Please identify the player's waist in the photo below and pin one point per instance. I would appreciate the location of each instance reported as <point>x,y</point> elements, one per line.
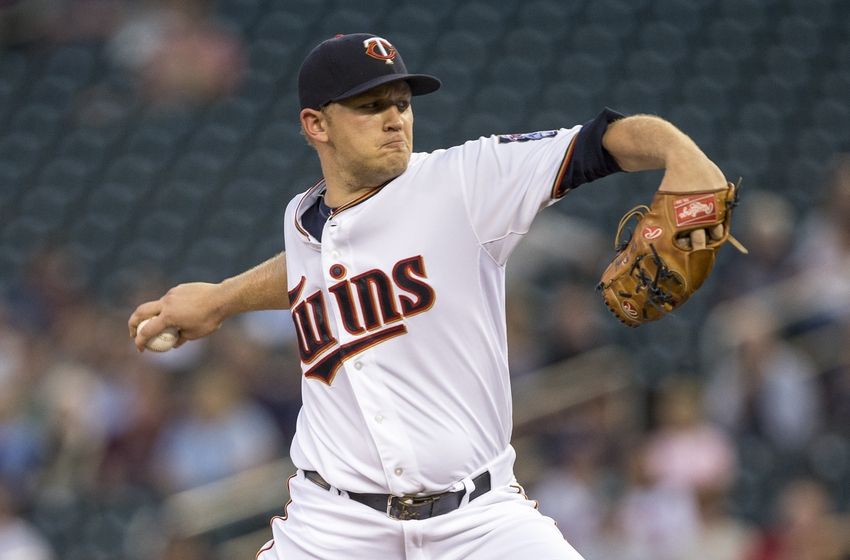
<point>415,507</point>
<point>496,473</point>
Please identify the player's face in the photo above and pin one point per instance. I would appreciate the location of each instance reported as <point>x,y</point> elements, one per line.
<point>371,135</point>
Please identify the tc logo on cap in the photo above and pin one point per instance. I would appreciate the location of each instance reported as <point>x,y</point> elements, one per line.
<point>380,48</point>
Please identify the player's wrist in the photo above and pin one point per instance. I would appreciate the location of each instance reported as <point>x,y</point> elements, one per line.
<point>226,300</point>
<point>688,170</point>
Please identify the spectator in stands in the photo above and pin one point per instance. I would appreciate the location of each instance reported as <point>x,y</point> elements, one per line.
<point>576,321</point>
<point>765,386</point>
<point>688,452</point>
<point>766,226</point>
<point>823,251</point>
<point>19,540</point>
<point>25,21</point>
<point>653,520</point>
<point>806,526</point>
<point>573,490</point>
<point>221,433</point>
<point>178,52</point>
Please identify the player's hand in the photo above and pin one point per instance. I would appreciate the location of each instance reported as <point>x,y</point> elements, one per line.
<point>697,238</point>
<point>195,309</point>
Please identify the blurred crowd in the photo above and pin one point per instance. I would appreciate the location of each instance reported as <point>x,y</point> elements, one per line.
<point>747,456</point>
<point>174,50</point>
<point>741,452</point>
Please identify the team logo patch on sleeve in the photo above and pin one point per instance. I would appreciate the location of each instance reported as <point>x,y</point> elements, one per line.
<point>525,137</point>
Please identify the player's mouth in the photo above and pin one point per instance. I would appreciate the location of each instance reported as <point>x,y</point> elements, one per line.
<point>397,144</point>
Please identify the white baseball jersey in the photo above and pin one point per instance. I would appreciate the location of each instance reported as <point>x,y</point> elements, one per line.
<point>400,315</point>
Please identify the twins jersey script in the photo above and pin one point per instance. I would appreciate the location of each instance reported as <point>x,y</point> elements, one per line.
<point>400,316</point>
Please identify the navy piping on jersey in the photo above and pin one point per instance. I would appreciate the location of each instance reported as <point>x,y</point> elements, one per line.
<point>315,217</point>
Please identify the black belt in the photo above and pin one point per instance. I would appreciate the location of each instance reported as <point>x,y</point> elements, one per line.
<point>411,507</point>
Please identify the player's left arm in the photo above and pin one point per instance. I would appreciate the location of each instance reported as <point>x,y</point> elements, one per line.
<point>645,142</point>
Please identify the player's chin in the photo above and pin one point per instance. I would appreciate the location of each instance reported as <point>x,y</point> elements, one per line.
<point>396,162</point>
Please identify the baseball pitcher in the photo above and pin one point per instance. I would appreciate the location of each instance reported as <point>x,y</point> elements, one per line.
<point>394,273</point>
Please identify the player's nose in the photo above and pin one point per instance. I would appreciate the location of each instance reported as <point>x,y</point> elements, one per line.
<point>393,119</point>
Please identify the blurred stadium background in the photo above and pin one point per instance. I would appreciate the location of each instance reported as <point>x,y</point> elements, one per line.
<point>148,143</point>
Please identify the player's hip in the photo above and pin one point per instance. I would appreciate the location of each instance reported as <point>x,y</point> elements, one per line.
<point>498,521</point>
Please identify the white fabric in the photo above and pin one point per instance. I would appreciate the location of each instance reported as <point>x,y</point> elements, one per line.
<point>425,408</point>
<point>499,525</point>
<point>400,319</point>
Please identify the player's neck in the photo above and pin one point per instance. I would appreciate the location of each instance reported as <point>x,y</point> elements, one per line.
<point>343,189</point>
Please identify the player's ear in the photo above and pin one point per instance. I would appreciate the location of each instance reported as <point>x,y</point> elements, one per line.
<point>314,124</point>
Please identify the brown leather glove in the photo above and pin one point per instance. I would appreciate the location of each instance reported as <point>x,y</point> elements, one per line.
<point>670,253</point>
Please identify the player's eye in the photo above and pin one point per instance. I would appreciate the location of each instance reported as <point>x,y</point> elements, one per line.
<point>402,105</point>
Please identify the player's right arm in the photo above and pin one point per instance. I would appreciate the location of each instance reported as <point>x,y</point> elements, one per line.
<point>199,308</point>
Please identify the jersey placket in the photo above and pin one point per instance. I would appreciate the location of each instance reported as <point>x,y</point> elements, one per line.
<point>365,375</point>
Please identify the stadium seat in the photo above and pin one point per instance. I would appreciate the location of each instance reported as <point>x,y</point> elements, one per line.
<point>665,39</point>
<point>618,16</point>
<point>684,15</point>
<point>92,238</point>
<point>22,237</point>
<point>419,22</point>
<point>696,121</point>
<point>799,33</point>
<point>536,49</point>
<point>512,71</point>
<point>216,140</point>
<point>465,49</point>
<point>716,64</point>
<point>597,41</point>
<point>762,119</point>
<point>75,63</point>
<point>550,18</point>
<point>732,35</point>
<point>241,14</point>
<point>19,151</point>
<point>777,92</point>
<point>84,147</point>
<point>260,87</point>
<point>709,94</point>
<point>480,18</point>
<point>270,57</point>
<point>749,151</point>
<point>38,119</point>
<point>15,69</point>
<point>346,21</point>
<point>654,70</point>
<point>566,96</point>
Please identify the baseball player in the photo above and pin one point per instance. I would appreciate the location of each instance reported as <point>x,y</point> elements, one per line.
<point>394,276</point>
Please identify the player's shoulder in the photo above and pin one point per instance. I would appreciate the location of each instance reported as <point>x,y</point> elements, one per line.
<point>497,143</point>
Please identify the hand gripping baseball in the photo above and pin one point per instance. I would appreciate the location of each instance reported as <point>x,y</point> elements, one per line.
<point>194,310</point>
<point>669,255</point>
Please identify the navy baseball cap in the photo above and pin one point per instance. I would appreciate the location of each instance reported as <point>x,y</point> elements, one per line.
<point>348,65</point>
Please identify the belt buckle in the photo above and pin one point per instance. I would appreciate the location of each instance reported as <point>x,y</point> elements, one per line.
<point>406,507</point>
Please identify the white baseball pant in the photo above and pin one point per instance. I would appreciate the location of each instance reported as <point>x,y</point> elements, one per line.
<point>502,524</point>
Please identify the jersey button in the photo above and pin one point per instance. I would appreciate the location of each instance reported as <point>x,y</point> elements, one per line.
<point>358,365</point>
<point>379,418</point>
<point>335,254</point>
<point>399,471</point>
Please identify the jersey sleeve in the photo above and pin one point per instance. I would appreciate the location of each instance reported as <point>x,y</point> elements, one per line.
<point>509,178</point>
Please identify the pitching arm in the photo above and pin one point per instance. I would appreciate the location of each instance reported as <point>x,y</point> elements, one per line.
<point>645,142</point>
<point>199,308</point>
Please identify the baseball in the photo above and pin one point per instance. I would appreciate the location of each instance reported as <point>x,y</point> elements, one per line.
<point>162,342</point>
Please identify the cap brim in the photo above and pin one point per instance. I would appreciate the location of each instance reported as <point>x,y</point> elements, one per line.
<point>420,84</point>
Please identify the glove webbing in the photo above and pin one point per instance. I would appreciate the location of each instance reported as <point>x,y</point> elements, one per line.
<point>658,296</point>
